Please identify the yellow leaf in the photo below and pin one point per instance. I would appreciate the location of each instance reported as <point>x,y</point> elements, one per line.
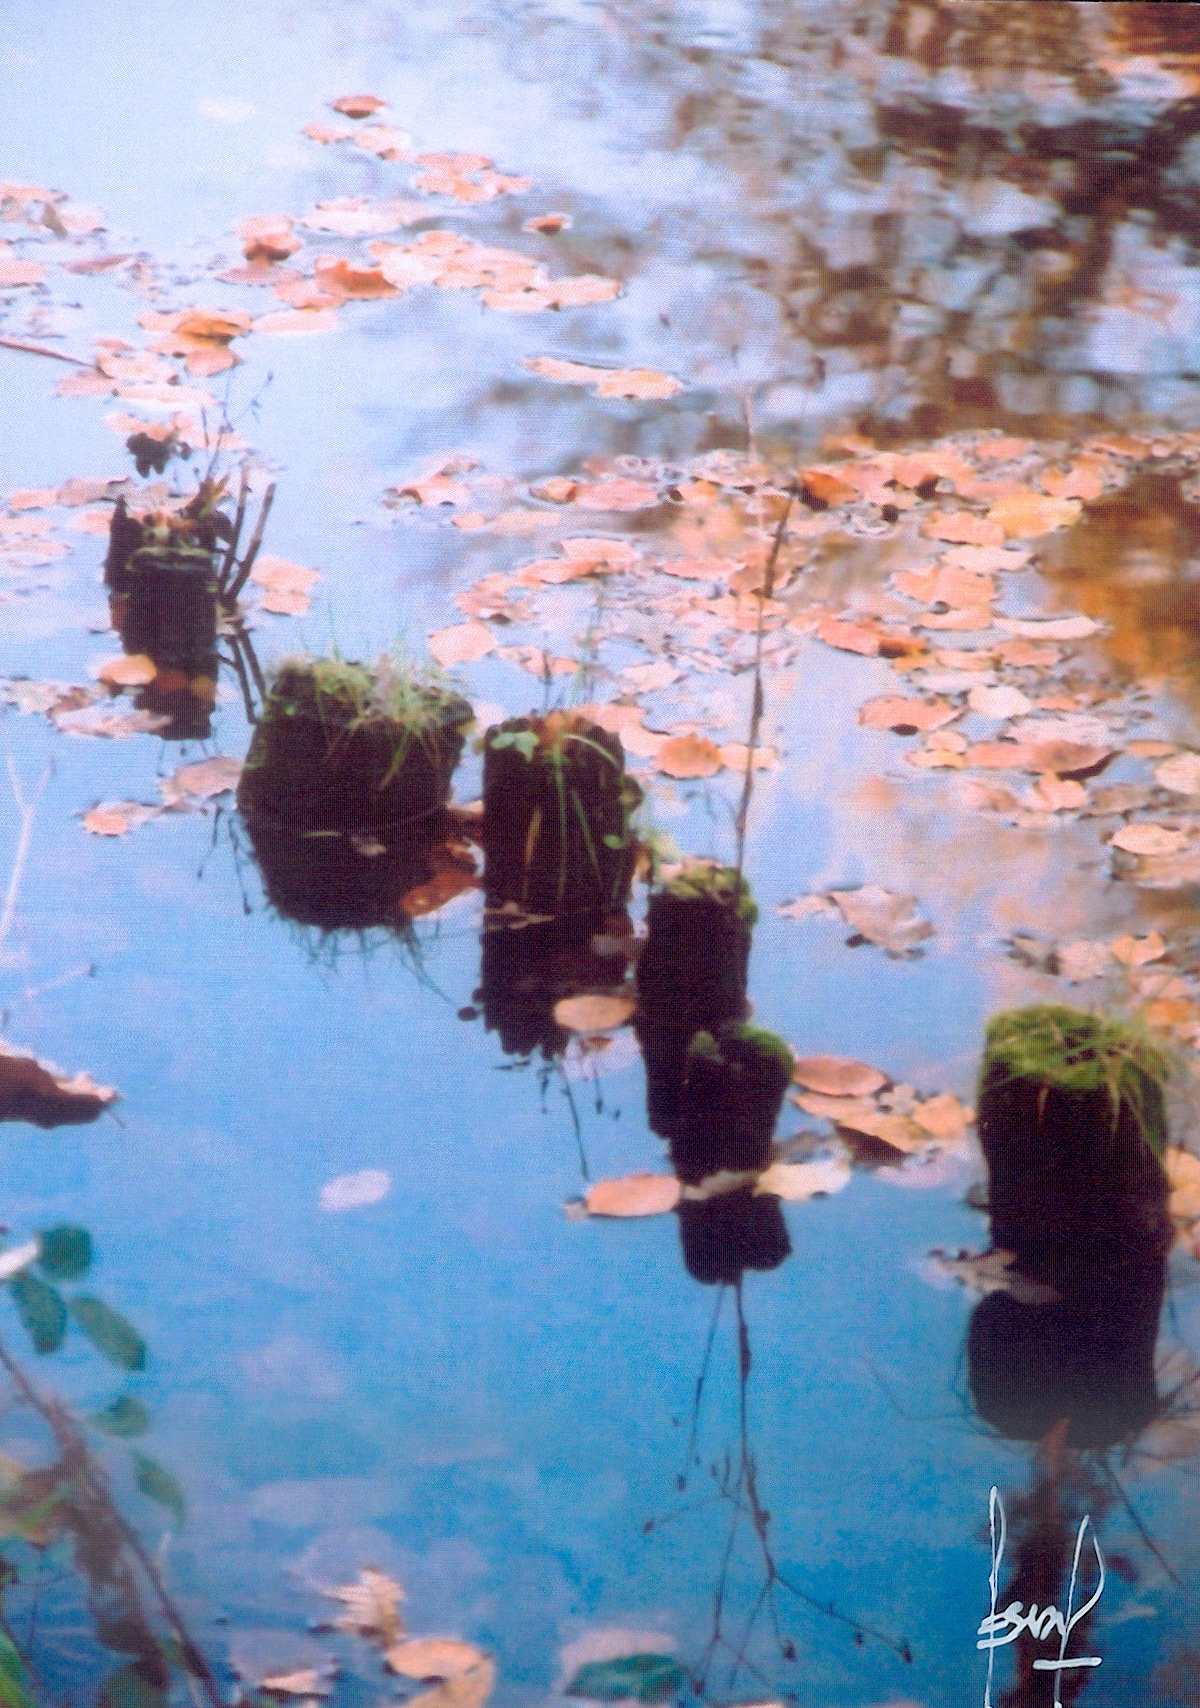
<point>593,1013</point>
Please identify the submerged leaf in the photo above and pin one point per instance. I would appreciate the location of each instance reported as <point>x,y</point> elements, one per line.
<point>109,1333</point>
<point>838,1076</point>
<point>41,1310</point>
<point>66,1252</point>
<point>158,1485</point>
<point>638,1678</point>
<point>124,1416</point>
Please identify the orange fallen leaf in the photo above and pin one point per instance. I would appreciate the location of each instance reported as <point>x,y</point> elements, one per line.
<point>117,818</point>
<point>549,224</point>
<point>1085,480</point>
<point>1000,755</point>
<point>1139,951</point>
<point>131,670</point>
<point>357,216</point>
<point>697,568</point>
<point>963,527</point>
<point>943,1116</point>
<point>1022,653</point>
<point>1143,838</point>
<point>734,755</point>
<point>635,1195</point>
<point>1056,794</point>
<point>208,778</point>
<point>905,715</point>
<point>341,277</point>
<point>972,620</point>
<point>357,106</point>
<point>617,494</point>
<point>558,489</point>
<point>298,320</point>
<point>267,237</point>
<point>433,1657</point>
<point>593,1013</point>
<point>462,643</point>
<point>609,382</point>
<point>14,271</point>
<point>946,584</point>
<point>34,498</point>
<point>1029,514</point>
<point>827,488</point>
<point>864,637</point>
<point>442,888</point>
<point>386,141</point>
<point>689,756</point>
<point>327,133</point>
<point>838,1076</point>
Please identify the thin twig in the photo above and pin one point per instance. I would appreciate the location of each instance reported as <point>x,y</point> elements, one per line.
<point>239,518</point>
<point>28,811</point>
<point>45,350</point>
<point>756,710</point>
<point>229,597</point>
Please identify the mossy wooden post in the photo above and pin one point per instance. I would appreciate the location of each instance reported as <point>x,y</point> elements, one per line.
<point>168,612</point>
<point>557,807</point>
<point>347,749</point>
<point>691,975</point>
<point>1072,1123</point>
<point>731,1094</point>
<point>1073,1127</point>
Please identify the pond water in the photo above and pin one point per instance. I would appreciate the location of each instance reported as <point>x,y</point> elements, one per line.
<point>851,232</point>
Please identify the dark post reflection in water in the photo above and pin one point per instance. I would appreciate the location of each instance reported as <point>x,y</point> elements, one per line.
<point>1066,1358</point>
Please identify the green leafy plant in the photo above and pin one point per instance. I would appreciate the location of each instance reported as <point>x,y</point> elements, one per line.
<point>65,1504</point>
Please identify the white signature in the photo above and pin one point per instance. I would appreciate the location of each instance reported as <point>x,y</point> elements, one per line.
<point>1040,1622</point>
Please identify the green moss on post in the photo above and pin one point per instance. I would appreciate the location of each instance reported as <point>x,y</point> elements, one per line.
<point>732,1092</point>
<point>344,747</point>
<point>557,811</point>
<point>1072,1123</point>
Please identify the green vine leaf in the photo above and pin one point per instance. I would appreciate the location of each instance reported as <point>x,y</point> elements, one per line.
<point>41,1310</point>
<point>125,1416</point>
<point>13,1692</point>
<point>66,1253</point>
<point>108,1332</point>
<point>157,1484</point>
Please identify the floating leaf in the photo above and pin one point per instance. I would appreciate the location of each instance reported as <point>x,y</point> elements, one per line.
<point>461,644</point>
<point>124,1416</point>
<point>633,1195</point>
<point>638,1678</point>
<point>1049,628</point>
<point>41,1310</point>
<point>434,1657</point>
<point>1001,702</point>
<point>372,1606</point>
<point>1145,838</point>
<point>593,1013</point>
<point>1027,514</point>
<point>117,818</point>
<point>158,1485</point>
<point>469,1690</point>
<point>108,1332</point>
<point>883,917</point>
<point>904,715</point>
<point>1083,959</point>
<point>66,1252</point>
<point>838,1076</point>
<point>797,1182</point>
<point>1181,773</point>
<point>127,670</point>
<point>357,106</point>
<point>689,756</point>
<point>203,781</point>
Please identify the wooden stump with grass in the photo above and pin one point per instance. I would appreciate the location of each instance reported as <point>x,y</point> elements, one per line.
<point>557,811</point>
<point>353,750</point>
